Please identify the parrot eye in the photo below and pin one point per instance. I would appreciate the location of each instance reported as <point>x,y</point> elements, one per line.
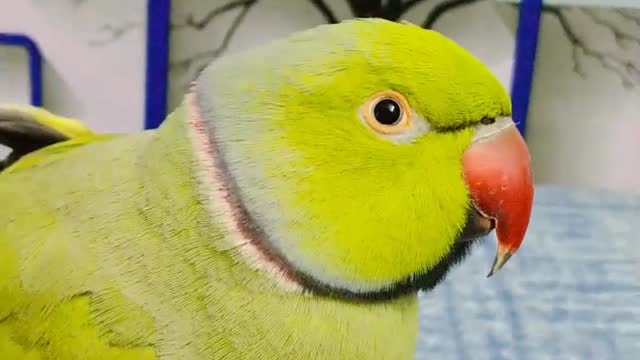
<point>388,113</point>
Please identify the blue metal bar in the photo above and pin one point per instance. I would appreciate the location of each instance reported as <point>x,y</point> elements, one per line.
<point>157,74</point>
<point>525,58</point>
<point>35,62</point>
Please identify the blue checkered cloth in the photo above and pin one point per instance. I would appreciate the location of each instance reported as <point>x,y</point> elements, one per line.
<point>572,292</point>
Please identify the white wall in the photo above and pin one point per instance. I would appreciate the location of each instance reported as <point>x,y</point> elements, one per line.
<point>14,79</point>
<point>478,27</point>
<point>584,128</point>
<point>94,57</point>
<point>14,72</point>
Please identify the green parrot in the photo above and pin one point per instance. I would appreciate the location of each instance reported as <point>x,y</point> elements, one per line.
<point>291,207</point>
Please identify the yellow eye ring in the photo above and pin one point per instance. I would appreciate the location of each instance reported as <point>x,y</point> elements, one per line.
<point>388,113</point>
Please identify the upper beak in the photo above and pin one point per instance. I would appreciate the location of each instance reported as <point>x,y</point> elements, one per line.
<point>497,170</point>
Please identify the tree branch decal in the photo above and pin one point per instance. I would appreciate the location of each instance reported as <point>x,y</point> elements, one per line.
<point>620,35</point>
<point>112,33</point>
<point>391,10</point>
<point>628,16</point>
<point>328,14</point>
<point>627,70</point>
<point>442,8</point>
<point>201,24</point>
<point>212,54</point>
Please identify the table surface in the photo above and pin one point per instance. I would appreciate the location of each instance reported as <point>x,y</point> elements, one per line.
<point>572,292</point>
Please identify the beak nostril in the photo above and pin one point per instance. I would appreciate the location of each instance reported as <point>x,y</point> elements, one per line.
<point>487,121</point>
<point>477,226</point>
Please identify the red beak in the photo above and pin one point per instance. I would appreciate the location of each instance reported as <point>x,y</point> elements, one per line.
<point>497,169</point>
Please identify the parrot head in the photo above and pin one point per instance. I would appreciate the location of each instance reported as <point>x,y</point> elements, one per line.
<point>363,159</point>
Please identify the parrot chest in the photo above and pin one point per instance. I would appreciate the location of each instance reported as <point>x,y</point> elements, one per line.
<point>219,309</point>
<point>294,327</point>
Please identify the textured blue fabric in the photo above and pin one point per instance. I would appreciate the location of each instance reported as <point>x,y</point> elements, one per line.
<point>572,292</point>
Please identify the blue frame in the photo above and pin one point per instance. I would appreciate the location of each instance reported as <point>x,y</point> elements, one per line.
<point>525,59</point>
<point>35,62</point>
<point>158,31</point>
<point>157,73</point>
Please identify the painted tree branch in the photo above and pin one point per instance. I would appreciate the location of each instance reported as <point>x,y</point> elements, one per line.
<point>364,8</point>
<point>78,3</point>
<point>392,10</point>
<point>112,33</point>
<point>204,22</point>
<point>626,15</point>
<point>628,72</point>
<point>328,14</point>
<point>620,35</point>
<point>212,54</point>
<point>442,8</point>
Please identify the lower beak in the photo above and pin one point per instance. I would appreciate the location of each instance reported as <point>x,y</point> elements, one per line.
<point>497,170</point>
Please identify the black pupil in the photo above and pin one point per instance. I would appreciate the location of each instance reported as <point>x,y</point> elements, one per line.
<point>387,112</point>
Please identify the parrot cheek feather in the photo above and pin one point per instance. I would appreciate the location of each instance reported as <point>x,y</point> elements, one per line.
<point>226,209</point>
<point>247,238</point>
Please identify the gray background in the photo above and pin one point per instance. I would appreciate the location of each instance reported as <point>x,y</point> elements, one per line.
<point>571,292</point>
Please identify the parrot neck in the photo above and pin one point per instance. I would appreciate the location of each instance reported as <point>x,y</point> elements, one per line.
<point>226,209</point>
<point>184,135</point>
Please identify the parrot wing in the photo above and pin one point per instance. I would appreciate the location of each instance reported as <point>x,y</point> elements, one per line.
<point>97,323</point>
<point>66,329</point>
<point>36,136</point>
